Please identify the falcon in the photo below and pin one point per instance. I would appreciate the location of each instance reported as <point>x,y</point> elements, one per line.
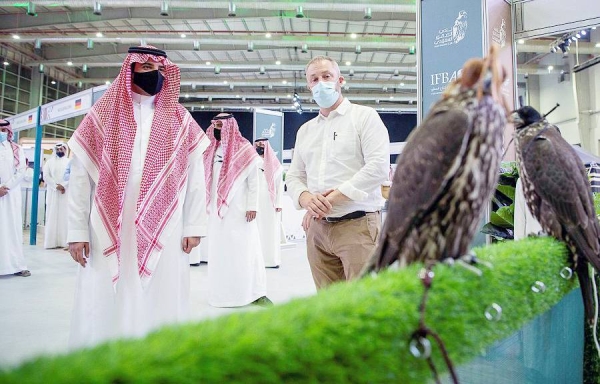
<point>558,194</point>
<point>447,172</point>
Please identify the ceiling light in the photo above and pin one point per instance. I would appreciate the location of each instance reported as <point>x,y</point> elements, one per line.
<point>283,81</point>
<point>368,14</point>
<point>597,45</point>
<point>594,27</point>
<point>99,34</point>
<point>231,12</point>
<point>16,37</point>
<point>224,81</point>
<point>107,82</point>
<point>69,63</point>
<point>299,12</point>
<point>353,36</point>
<point>289,96</point>
<point>268,35</point>
<point>402,84</point>
<point>202,106</point>
<point>164,9</point>
<point>237,96</point>
<point>97,8</point>
<point>208,63</point>
<point>53,82</point>
<point>187,96</point>
<point>578,36</point>
<point>118,38</point>
<point>5,63</point>
<point>391,97</point>
<point>521,41</point>
<point>278,62</point>
<point>183,35</point>
<point>583,33</point>
<point>31,9</point>
<point>550,68</point>
<point>348,63</point>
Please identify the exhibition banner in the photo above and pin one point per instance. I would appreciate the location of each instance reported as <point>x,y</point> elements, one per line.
<point>269,124</point>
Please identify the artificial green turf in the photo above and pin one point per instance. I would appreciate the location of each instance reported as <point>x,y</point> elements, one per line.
<point>355,332</point>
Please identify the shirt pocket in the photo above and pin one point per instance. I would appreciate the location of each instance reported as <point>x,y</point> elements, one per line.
<point>343,144</point>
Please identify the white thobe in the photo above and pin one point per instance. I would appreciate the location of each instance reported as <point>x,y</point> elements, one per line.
<point>12,259</point>
<point>105,312</point>
<point>269,220</point>
<point>55,229</point>
<point>236,269</point>
<point>524,222</point>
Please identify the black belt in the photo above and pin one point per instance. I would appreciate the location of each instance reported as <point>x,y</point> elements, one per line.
<point>349,216</point>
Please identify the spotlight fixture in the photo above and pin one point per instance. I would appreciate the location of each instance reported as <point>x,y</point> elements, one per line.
<point>41,68</point>
<point>396,72</point>
<point>193,86</point>
<point>37,45</point>
<point>53,82</point>
<point>358,50</point>
<point>304,48</point>
<point>231,12</point>
<point>31,9</point>
<point>16,37</point>
<point>278,62</point>
<point>164,9</point>
<point>261,70</point>
<point>412,50</point>
<point>231,86</point>
<point>70,63</point>
<point>299,12</point>
<point>84,68</point>
<point>90,44</point>
<point>99,34</point>
<point>196,45</point>
<point>97,8</point>
<point>183,35</point>
<point>250,46</point>
<point>79,84</point>
<point>353,36</point>
<point>268,35</point>
<point>296,103</point>
<point>368,14</point>
<point>217,70</point>
<point>351,73</point>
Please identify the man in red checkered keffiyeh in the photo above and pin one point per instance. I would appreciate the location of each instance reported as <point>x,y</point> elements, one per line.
<point>270,190</point>
<point>12,173</point>
<point>138,155</point>
<point>236,271</point>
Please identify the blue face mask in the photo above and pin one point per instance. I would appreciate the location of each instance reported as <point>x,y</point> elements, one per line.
<point>3,137</point>
<point>325,94</point>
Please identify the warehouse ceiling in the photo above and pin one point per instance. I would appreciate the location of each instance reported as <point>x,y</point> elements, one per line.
<point>237,54</point>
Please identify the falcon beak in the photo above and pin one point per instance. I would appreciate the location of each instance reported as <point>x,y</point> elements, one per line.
<point>516,120</point>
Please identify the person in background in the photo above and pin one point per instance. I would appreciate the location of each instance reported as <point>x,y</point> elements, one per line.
<point>55,230</point>
<point>270,190</point>
<point>12,173</point>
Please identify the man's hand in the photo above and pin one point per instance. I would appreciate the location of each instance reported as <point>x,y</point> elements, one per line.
<point>308,218</point>
<point>316,204</point>
<point>189,243</point>
<point>335,197</point>
<point>60,188</point>
<point>250,215</point>
<point>80,252</point>
<point>4,191</point>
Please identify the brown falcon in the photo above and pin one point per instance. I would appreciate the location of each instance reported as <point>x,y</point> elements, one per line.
<point>447,172</point>
<point>558,193</point>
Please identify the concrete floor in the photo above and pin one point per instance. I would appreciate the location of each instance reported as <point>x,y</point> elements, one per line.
<point>36,310</point>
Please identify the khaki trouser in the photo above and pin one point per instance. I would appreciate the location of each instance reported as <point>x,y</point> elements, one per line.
<point>339,251</point>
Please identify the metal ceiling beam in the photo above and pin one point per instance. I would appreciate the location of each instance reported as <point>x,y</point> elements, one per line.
<point>203,106</point>
<point>543,46</point>
<point>305,97</point>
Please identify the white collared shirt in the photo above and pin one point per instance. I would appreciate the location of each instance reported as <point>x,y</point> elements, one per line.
<point>348,150</point>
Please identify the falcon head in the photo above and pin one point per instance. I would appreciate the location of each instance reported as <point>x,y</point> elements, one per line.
<point>525,116</point>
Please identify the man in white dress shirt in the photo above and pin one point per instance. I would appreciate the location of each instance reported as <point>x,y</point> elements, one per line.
<point>270,190</point>
<point>136,203</point>
<point>12,173</point>
<point>341,159</point>
<point>55,229</point>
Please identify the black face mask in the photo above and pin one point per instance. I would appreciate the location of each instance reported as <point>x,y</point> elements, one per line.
<point>217,133</point>
<point>60,154</point>
<point>151,82</point>
<point>260,150</point>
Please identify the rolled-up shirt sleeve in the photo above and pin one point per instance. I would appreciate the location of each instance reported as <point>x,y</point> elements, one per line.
<point>375,145</point>
<point>295,178</point>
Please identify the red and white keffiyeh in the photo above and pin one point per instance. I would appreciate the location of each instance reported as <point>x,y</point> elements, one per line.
<point>15,147</point>
<point>238,155</point>
<point>104,143</point>
<point>273,171</point>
